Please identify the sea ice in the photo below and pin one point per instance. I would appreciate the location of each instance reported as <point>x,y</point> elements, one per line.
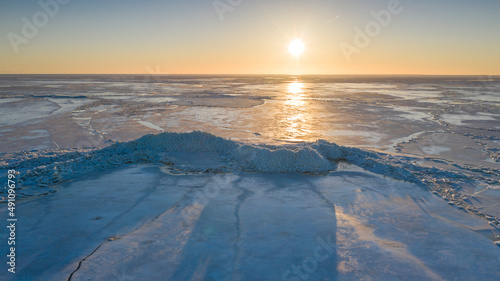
<point>136,222</point>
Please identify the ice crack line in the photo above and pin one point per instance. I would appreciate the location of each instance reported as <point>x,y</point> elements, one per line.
<point>147,192</point>
<point>95,250</point>
<point>158,216</point>
<point>241,198</point>
<point>80,263</point>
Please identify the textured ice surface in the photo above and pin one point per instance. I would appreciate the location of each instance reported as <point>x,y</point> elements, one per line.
<point>40,170</point>
<point>450,123</point>
<point>262,143</point>
<point>240,107</point>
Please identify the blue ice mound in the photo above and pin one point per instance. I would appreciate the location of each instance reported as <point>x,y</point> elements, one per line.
<point>47,168</point>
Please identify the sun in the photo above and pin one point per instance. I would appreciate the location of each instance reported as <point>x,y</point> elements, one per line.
<point>296,47</point>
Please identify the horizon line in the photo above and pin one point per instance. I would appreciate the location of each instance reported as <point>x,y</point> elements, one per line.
<point>254,74</point>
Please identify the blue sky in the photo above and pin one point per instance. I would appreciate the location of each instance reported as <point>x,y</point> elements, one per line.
<point>127,36</point>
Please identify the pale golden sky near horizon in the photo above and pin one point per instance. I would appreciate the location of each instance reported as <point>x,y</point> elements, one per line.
<point>250,37</point>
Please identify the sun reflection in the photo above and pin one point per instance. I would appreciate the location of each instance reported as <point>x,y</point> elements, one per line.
<point>295,97</point>
<point>294,114</point>
<point>295,88</point>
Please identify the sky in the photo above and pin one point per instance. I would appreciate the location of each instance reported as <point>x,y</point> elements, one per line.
<point>429,37</point>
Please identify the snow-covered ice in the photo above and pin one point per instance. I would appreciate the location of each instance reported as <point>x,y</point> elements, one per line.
<point>253,177</point>
<point>139,223</point>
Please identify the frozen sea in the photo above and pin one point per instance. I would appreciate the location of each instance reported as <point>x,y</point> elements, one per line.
<point>263,177</point>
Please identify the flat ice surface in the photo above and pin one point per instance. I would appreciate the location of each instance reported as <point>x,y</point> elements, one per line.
<point>139,223</point>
